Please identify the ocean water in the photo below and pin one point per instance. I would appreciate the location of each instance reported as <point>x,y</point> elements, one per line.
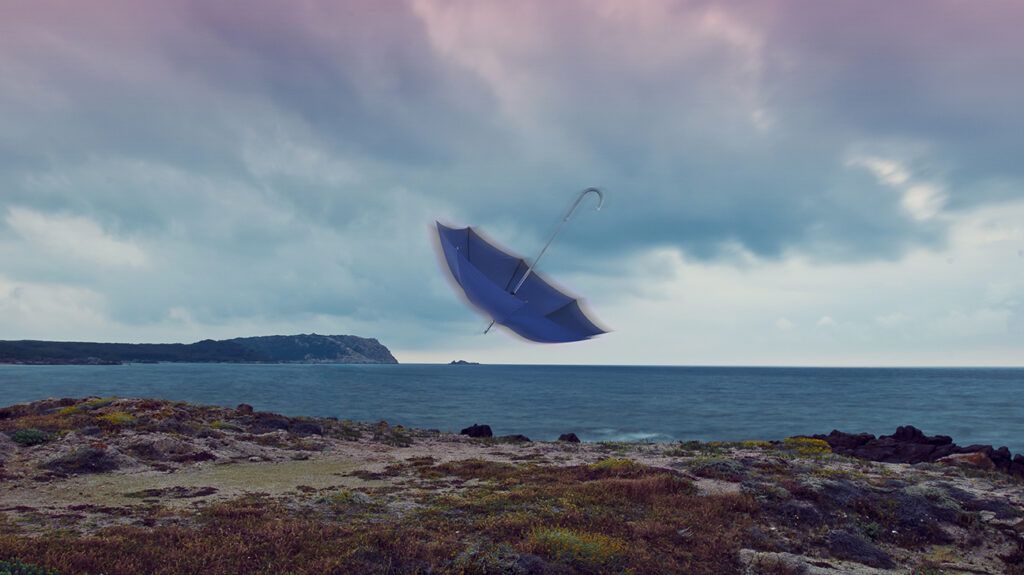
<point>597,403</point>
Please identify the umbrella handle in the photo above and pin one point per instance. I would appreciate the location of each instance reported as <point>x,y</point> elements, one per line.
<point>568,214</point>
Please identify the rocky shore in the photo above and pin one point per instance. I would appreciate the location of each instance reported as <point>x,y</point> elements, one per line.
<point>106,485</point>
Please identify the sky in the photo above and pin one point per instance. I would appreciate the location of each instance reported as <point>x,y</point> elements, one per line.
<point>788,182</point>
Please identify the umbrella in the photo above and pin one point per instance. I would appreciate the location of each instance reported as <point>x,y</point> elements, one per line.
<point>506,287</point>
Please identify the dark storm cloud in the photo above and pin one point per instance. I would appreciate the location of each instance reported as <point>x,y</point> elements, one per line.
<point>276,161</point>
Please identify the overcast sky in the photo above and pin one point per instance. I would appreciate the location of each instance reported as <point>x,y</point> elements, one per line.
<point>788,182</point>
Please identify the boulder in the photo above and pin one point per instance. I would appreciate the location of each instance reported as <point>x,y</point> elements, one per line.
<point>515,438</point>
<point>244,409</point>
<point>977,460</point>
<point>569,438</point>
<point>477,430</point>
<point>910,445</point>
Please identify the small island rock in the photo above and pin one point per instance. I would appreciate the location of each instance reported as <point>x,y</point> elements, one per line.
<point>477,430</point>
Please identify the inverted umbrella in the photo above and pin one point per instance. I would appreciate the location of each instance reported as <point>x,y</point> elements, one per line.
<point>507,288</point>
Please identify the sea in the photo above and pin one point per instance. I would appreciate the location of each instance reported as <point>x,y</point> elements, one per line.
<point>598,403</point>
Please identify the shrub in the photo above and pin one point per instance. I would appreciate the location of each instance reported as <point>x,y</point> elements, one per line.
<point>29,437</point>
<point>18,568</point>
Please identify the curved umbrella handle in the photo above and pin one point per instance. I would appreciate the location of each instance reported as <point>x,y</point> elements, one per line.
<point>579,198</point>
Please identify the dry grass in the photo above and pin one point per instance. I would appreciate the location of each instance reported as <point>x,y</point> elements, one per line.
<point>587,519</point>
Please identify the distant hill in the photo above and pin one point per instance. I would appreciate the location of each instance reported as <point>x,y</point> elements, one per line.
<point>303,348</point>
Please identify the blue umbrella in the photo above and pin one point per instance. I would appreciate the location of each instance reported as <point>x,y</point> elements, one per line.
<point>507,288</point>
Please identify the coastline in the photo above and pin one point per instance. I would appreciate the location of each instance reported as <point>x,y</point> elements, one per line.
<point>112,483</point>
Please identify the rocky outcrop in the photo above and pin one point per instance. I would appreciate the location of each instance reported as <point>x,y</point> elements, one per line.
<point>477,430</point>
<point>315,348</point>
<point>569,438</point>
<point>910,445</point>
<point>302,348</point>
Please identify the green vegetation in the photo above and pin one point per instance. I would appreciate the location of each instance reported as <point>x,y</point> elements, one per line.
<point>807,446</point>
<point>611,517</point>
<point>29,437</point>
<point>589,551</point>
<point>615,464</point>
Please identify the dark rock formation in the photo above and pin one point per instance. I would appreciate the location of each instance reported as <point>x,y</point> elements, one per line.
<point>462,362</point>
<point>477,430</point>
<point>569,438</point>
<point>911,445</point>
<point>516,438</point>
<point>244,409</point>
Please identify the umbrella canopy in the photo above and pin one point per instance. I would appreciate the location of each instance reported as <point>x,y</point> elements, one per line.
<point>507,289</point>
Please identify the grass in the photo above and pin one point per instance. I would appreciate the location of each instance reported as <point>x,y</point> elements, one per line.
<point>581,549</point>
<point>609,517</point>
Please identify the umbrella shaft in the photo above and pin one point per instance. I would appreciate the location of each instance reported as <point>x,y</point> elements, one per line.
<point>541,254</point>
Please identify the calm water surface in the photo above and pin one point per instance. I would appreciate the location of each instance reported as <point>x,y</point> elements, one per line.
<point>595,402</point>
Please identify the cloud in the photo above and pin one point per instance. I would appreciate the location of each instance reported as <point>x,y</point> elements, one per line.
<point>72,238</point>
<point>202,170</point>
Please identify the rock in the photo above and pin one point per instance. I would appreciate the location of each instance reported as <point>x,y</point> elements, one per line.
<point>477,430</point>
<point>910,445</point>
<point>569,438</point>
<point>244,409</point>
<point>846,545</point>
<point>516,438</point>
<point>976,460</point>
